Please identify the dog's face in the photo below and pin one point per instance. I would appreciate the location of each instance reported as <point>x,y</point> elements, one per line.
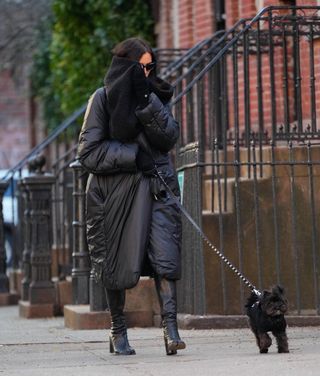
<point>274,302</point>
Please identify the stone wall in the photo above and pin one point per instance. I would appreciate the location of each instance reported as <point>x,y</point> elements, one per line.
<point>288,244</point>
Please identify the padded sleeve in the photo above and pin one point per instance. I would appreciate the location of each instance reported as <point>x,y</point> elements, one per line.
<point>96,152</point>
<point>161,129</point>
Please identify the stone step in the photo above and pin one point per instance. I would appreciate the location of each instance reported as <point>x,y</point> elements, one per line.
<point>218,195</point>
<point>225,165</point>
<point>219,182</point>
<point>141,306</point>
<point>259,254</point>
<point>282,156</point>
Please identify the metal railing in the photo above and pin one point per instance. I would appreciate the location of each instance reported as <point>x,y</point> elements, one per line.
<point>249,108</point>
<point>270,42</point>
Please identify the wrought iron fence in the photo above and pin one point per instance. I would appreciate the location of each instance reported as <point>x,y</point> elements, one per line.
<point>267,87</point>
<point>251,103</point>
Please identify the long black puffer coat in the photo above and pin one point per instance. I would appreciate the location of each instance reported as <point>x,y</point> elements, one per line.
<point>125,225</point>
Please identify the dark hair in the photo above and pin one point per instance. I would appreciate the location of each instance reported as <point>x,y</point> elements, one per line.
<point>132,49</point>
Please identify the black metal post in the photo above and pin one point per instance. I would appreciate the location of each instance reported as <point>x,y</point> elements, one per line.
<point>80,255</point>
<point>4,281</point>
<point>26,254</point>
<point>18,231</point>
<point>191,287</point>
<point>39,190</point>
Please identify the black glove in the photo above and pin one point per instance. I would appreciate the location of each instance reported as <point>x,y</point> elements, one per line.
<point>141,86</point>
<point>145,163</point>
<point>157,190</point>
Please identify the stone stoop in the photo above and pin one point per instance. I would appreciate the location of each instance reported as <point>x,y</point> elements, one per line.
<point>212,189</point>
<point>223,185</point>
<point>218,193</point>
<point>141,306</point>
<point>222,232</point>
<point>80,317</point>
<point>248,171</point>
<point>228,170</point>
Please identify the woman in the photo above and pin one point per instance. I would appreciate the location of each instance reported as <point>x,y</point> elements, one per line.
<point>132,222</point>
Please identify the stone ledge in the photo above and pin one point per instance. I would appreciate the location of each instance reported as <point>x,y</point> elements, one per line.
<point>32,311</point>
<point>8,298</point>
<point>303,320</point>
<point>80,317</point>
<point>187,321</point>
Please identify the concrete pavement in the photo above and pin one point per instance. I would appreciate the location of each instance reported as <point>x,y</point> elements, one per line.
<point>45,347</point>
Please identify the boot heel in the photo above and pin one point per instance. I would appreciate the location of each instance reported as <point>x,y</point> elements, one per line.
<point>119,345</point>
<point>168,350</point>
<point>111,347</point>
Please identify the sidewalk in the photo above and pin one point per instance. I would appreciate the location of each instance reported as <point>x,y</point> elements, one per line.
<point>44,347</point>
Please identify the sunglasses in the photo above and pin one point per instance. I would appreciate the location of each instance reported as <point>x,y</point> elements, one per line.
<point>149,66</point>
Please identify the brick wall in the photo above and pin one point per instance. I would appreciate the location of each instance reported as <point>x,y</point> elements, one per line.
<point>232,12</point>
<point>186,23</point>
<point>14,120</point>
<point>196,22</point>
<point>247,8</point>
<point>164,28</point>
<point>194,18</point>
<point>203,20</point>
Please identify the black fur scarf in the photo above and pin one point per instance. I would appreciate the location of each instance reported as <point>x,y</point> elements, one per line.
<point>122,103</point>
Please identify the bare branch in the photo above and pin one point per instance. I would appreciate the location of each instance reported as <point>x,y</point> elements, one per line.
<point>19,23</point>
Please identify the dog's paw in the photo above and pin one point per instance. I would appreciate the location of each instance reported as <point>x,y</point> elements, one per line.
<point>283,351</point>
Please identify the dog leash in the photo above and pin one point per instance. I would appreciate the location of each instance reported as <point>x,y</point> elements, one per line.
<point>205,238</point>
<point>143,142</point>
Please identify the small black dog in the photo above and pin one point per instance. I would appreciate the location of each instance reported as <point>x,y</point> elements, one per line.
<point>266,314</point>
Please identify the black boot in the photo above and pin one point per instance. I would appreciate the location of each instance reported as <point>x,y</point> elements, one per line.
<point>118,337</point>
<point>167,295</point>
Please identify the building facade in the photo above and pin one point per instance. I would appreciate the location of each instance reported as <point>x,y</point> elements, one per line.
<point>19,21</point>
<point>252,121</point>
<point>183,23</point>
